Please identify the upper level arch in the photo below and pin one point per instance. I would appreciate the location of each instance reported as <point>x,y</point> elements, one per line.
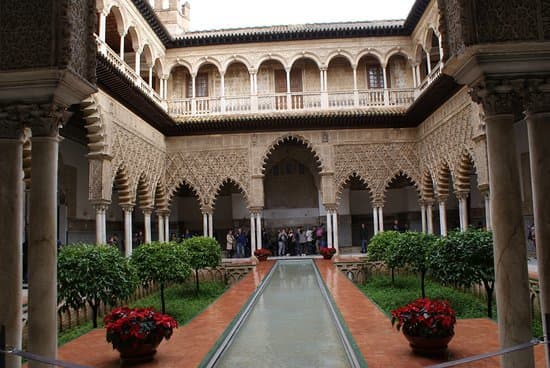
<point>205,61</point>
<point>340,53</point>
<point>368,52</point>
<point>305,55</point>
<point>396,51</point>
<point>233,60</point>
<point>274,57</point>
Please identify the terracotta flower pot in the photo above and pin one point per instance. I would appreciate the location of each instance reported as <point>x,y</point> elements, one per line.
<point>141,353</point>
<point>429,346</point>
<point>262,258</point>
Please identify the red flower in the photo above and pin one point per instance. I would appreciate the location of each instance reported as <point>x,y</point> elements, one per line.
<point>131,327</point>
<point>426,318</point>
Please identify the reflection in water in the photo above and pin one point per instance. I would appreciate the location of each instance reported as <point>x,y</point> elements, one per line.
<point>290,325</point>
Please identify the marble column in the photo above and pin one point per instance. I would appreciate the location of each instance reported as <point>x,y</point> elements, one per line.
<point>288,93</point>
<point>538,129</point>
<point>210,225</point>
<point>42,255</point>
<point>121,47</point>
<point>510,253</point>
<point>423,216</point>
<point>380,219</point>
<point>375,219</point>
<point>100,223</point>
<point>138,64</point>
<point>11,203</point>
<point>127,209</point>
<point>329,228</point>
<point>442,215</point>
<point>160,223</point>
<point>430,218</point>
<point>335,230</point>
<point>102,26</point>
<point>205,224</point>
<point>259,243</point>
<point>463,209</point>
<point>252,233</point>
<point>486,196</point>
<point>147,221</point>
<point>167,227</point>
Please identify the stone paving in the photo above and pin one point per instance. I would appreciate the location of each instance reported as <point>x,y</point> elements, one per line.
<point>381,345</point>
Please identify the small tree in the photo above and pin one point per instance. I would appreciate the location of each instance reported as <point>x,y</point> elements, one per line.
<point>382,247</point>
<point>466,259</point>
<point>93,274</point>
<point>161,263</point>
<point>202,252</point>
<point>415,249</point>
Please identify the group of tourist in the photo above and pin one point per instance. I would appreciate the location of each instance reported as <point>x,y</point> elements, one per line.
<point>282,242</point>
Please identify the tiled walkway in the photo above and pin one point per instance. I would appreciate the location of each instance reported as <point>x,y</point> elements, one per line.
<point>381,345</point>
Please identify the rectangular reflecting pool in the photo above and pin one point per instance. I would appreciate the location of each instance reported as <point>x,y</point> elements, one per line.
<point>289,323</point>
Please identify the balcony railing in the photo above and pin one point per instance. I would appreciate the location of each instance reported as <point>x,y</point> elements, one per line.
<point>115,59</point>
<point>292,101</point>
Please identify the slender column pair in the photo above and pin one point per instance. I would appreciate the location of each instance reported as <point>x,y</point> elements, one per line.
<point>332,229</point>
<point>207,224</point>
<point>378,218</point>
<point>255,231</point>
<point>426,214</point>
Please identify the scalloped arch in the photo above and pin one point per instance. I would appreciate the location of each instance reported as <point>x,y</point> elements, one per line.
<point>183,182</point>
<point>352,174</point>
<point>121,183</point>
<point>289,138</point>
<point>415,181</point>
<point>142,190</point>
<point>229,180</point>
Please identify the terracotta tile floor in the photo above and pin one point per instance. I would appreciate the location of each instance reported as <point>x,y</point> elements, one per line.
<point>381,345</point>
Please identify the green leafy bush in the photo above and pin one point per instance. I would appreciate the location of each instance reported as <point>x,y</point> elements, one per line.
<point>415,249</point>
<point>383,247</point>
<point>202,252</point>
<point>161,263</point>
<point>465,259</point>
<point>93,274</point>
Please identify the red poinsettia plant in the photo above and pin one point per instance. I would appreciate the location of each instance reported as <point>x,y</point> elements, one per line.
<point>128,327</point>
<point>327,251</point>
<point>425,318</point>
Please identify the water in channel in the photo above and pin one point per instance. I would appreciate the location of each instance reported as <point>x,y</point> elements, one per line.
<point>289,326</point>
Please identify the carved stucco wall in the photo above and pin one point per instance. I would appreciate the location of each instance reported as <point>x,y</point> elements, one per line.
<point>130,144</point>
<point>453,130</point>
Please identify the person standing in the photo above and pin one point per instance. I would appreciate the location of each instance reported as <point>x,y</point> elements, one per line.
<point>302,240</point>
<point>281,241</point>
<point>309,241</point>
<point>230,241</point>
<point>364,236</point>
<point>241,243</point>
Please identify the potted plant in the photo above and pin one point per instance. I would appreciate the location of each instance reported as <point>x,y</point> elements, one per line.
<point>427,324</point>
<point>327,253</point>
<point>137,332</point>
<point>262,254</point>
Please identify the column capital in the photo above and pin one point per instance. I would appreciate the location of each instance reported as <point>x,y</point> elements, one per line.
<point>11,121</point>
<point>147,210</point>
<point>429,202</point>
<point>100,205</point>
<point>536,96</point>
<point>127,207</point>
<point>497,97</point>
<point>484,189</point>
<point>441,198</point>
<point>378,203</point>
<point>252,71</point>
<point>207,209</point>
<point>162,212</point>
<point>462,194</point>
<point>330,207</point>
<point>255,210</point>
